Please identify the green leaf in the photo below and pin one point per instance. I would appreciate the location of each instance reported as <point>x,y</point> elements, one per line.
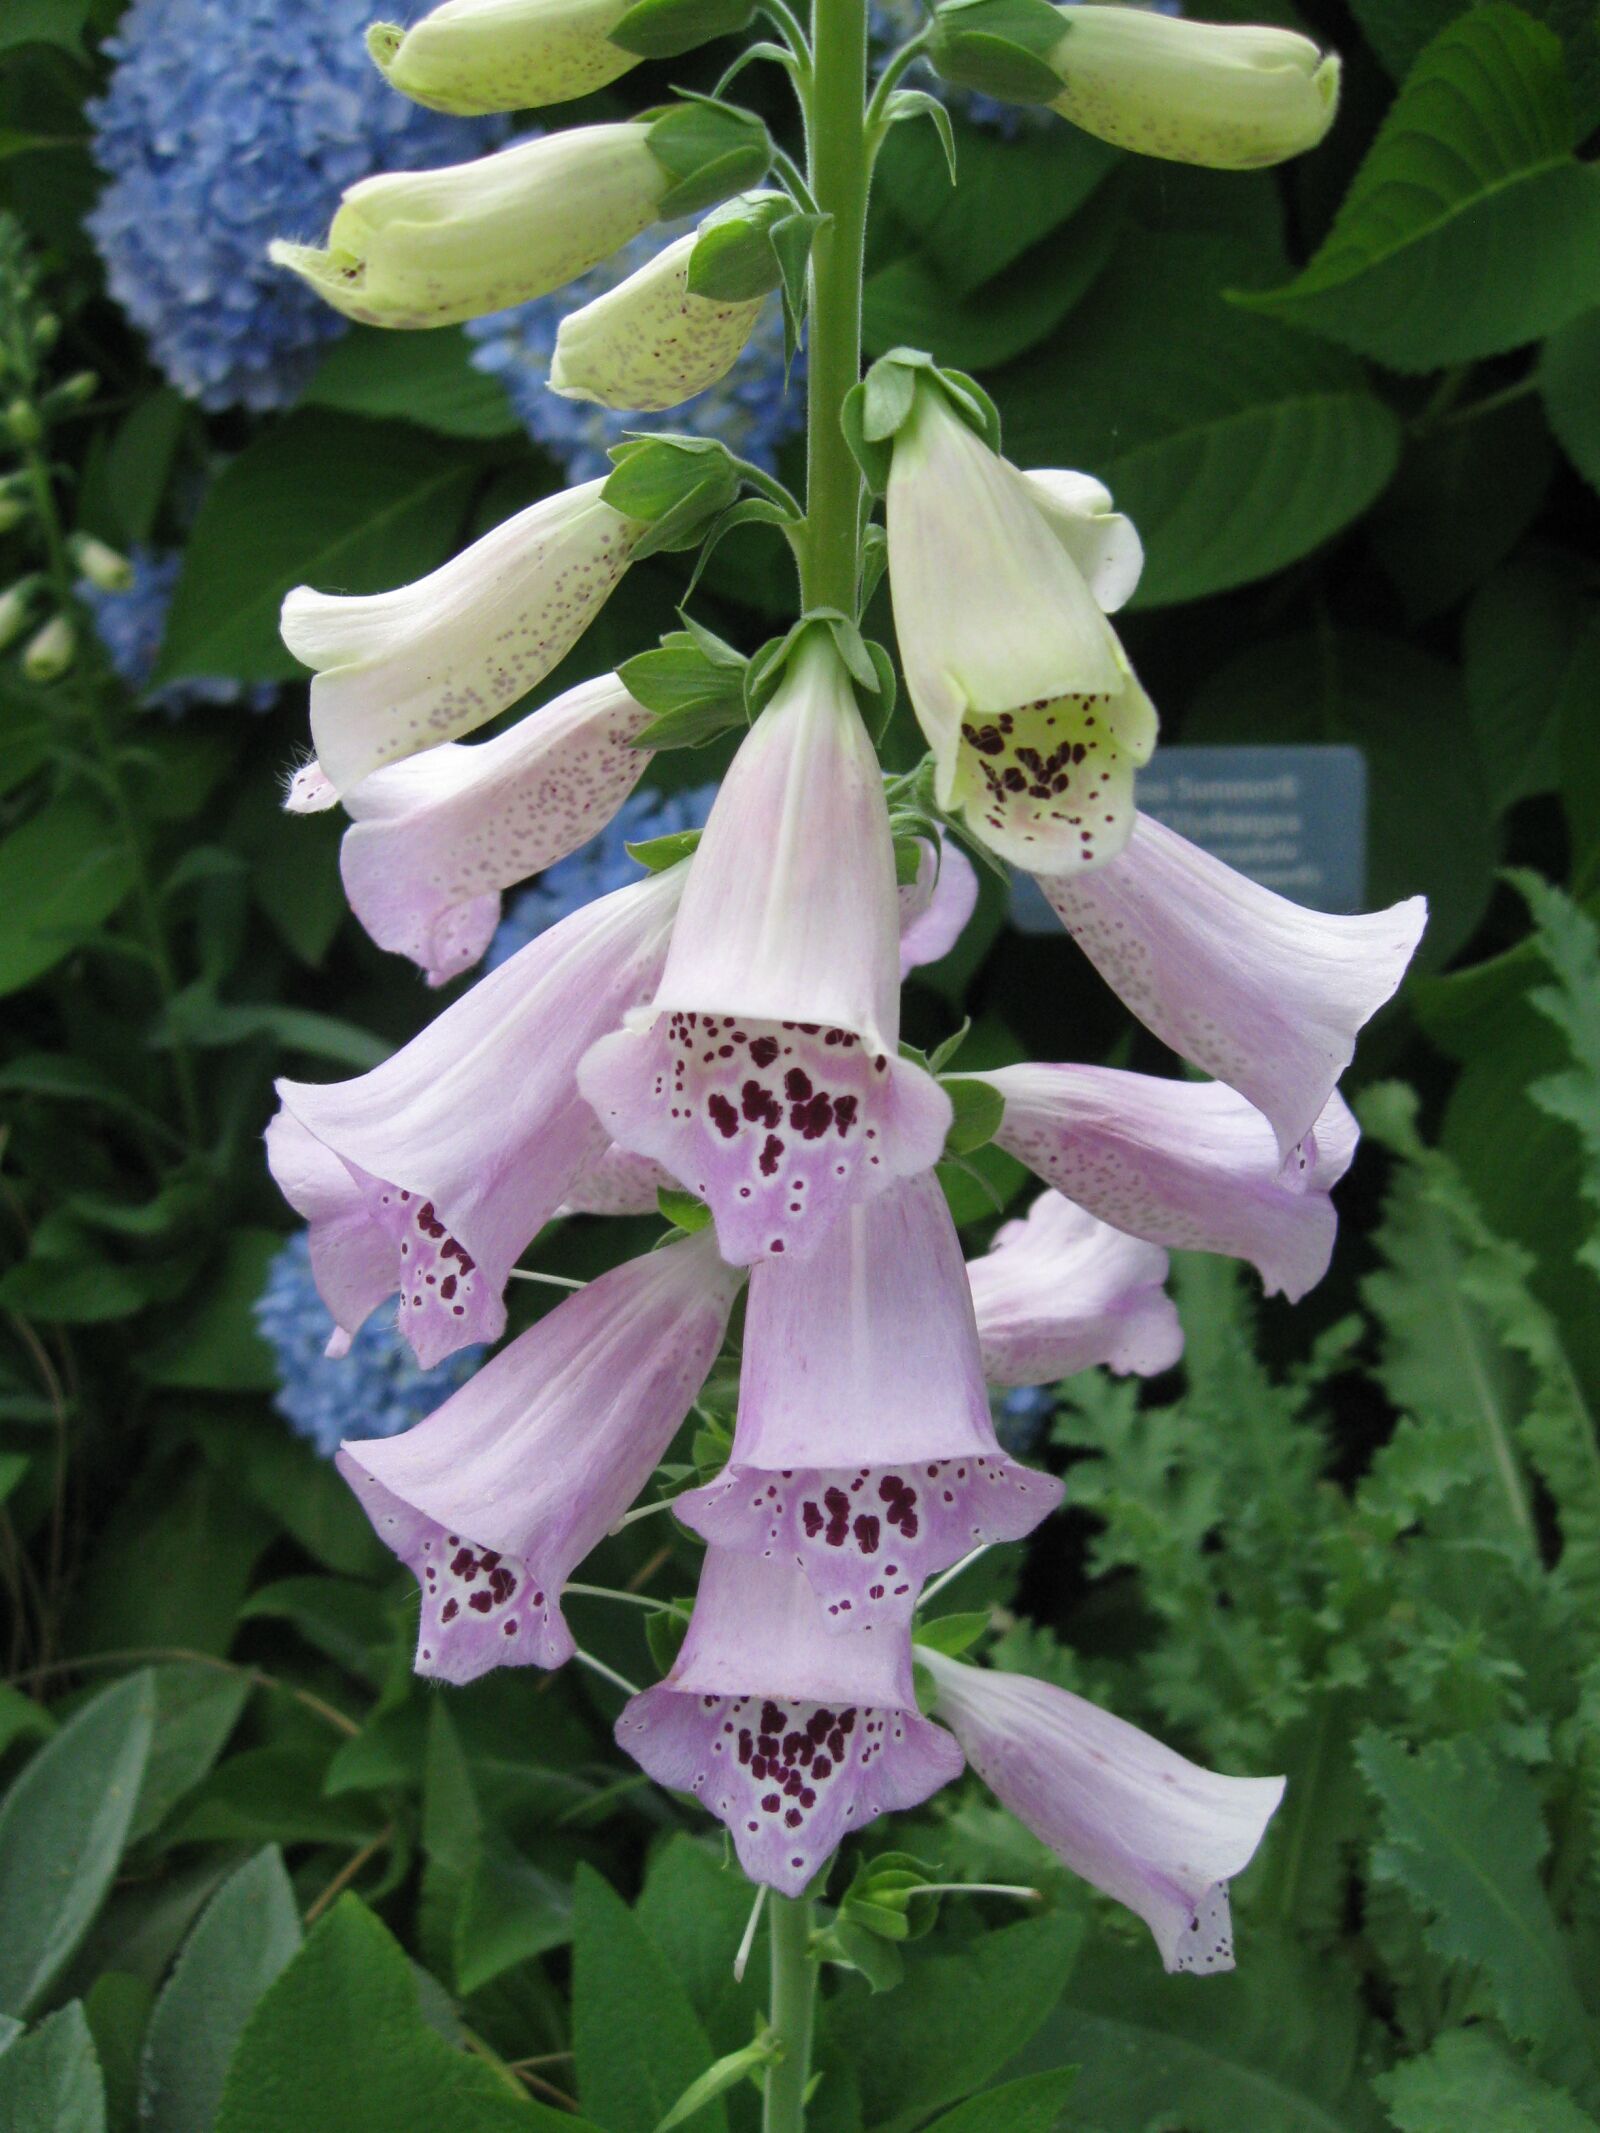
<point>1469,228</point>
<point>140,458</point>
<point>324,500</point>
<point>622,1986</point>
<point>1569,943</point>
<point>211,1344</point>
<point>1463,1838</point>
<point>57,22</point>
<point>1528,642</point>
<point>955,2021</point>
<point>196,1708</point>
<point>62,1829</point>
<point>1235,445</point>
<point>1277,2044</point>
<point>274,1796</point>
<point>247,1934</point>
<point>1567,370</point>
<point>1032,2105</point>
<point>117,2007</point>
<point>339,2045</point>
<point>724,2074</point>
<point>979,1111</point>
<point>1469,2082</point>
<point>1397,30</point>
<point>50,2082</point>
<point>909,301</point>
<point>1429,823</point>
<point>952,1634</point>
<point>427,378</point>
<point>62,873</point>
<point>682,1210</point>
<point>694,1909</point>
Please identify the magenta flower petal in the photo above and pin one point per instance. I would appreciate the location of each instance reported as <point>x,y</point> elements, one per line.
<point>467,1140</point>
<point>865,1452</point>
<point>1189,1165</point>
<point>791,1736</point>
<point>352,1260</point>
<point>496,1498</point>
<point>767,1079</point>
<point>934,913</point>
<point>1061,1291</point>
<point>434,839</point>
<point>1153,1830</point>
<point>1258,991</point>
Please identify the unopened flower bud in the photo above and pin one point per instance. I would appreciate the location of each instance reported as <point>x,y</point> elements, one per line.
<point>13,510</point>
<point>50,651</point>
<point>21,422</point>
<point>101,565</point>
<point>76,391</point>
<point>472,56</point>
<point>46,332</point>
<point>16,603</point>
<point>657,339</point>
<point>435,247</point>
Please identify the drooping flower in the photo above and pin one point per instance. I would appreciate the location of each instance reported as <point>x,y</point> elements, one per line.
<point>496,1498</point>
<point>864,1450</point>
<point>1061,1291</point>
<point>374,1389</point>
<point>224,123</point>
<point>753,410</point>
<point>351,1258</point>
<point>503,55</point>
<point>398,672</point>
<point>464,1143</point>
<point>1189,1165</point>
<point>1153,1830</point>
<point>1233,96</point>
<point>653,342</point>
<point>792,1735</point>
<point>436,247</point>
<point>765,1074</point>
<point>597,867</point>
<point>1038,727</point>
<point>130,625</point>
<point>434,839</point>
<point>1256,990</point>
<point>934,908</point>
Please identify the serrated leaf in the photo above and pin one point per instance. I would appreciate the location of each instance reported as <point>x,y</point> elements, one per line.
<point>247,1935</point>
<point>622,1986</point>
<point>339,2044</point>
<point>1235,445</point>
<point>1569,943</point>
<point>63,1825</point>
<point>50,2081</point>
<point>1469,228</point>
<point>1462,1836</point>
<point>1470,2082</point>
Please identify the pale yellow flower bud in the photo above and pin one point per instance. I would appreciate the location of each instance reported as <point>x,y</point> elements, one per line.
<point>474,56</point>
<point>50,651</point>
<point>1232,96</point>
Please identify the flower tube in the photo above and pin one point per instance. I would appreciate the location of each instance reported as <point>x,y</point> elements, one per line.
<point>465,1142</point>
<point>864,1451</point>
<point>1189,1165</point>
<point>765,1075</point>
<point>1038,727</point>
<point>434,839</point>
<point>496,1498</point>
<point>435,247</point>
<point>399,672</point>
<point>1061,1291</point>
<point>1232,96</point>
<point>479,56</point>
<point>1153,1830</point>
<point>1258,991</point>
<point>792,1736</point>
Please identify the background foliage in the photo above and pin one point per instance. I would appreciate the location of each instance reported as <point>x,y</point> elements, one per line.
<point>253,1876</point>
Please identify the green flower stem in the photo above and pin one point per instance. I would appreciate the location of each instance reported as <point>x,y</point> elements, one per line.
<point>840,168</point>
<point>793,2005</point>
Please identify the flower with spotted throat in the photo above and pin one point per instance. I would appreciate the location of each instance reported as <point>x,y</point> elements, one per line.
<point>765,1075</point>
<point>793,1735</point>
<point>1001,582</point>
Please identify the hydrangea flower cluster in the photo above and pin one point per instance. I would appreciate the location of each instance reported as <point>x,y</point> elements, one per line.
<point>375,1389</point>
<point>753,410</point>
<point>225,123</point>
<point>729,1024</point>
<point>131,623</point>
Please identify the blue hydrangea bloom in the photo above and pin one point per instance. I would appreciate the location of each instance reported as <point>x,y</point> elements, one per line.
<point>130,626</point>
<point>227,123</point>
<point>377,1390</point>
<point>597,867</point>
<point>1022,1417</point>
<point>749,410</point>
